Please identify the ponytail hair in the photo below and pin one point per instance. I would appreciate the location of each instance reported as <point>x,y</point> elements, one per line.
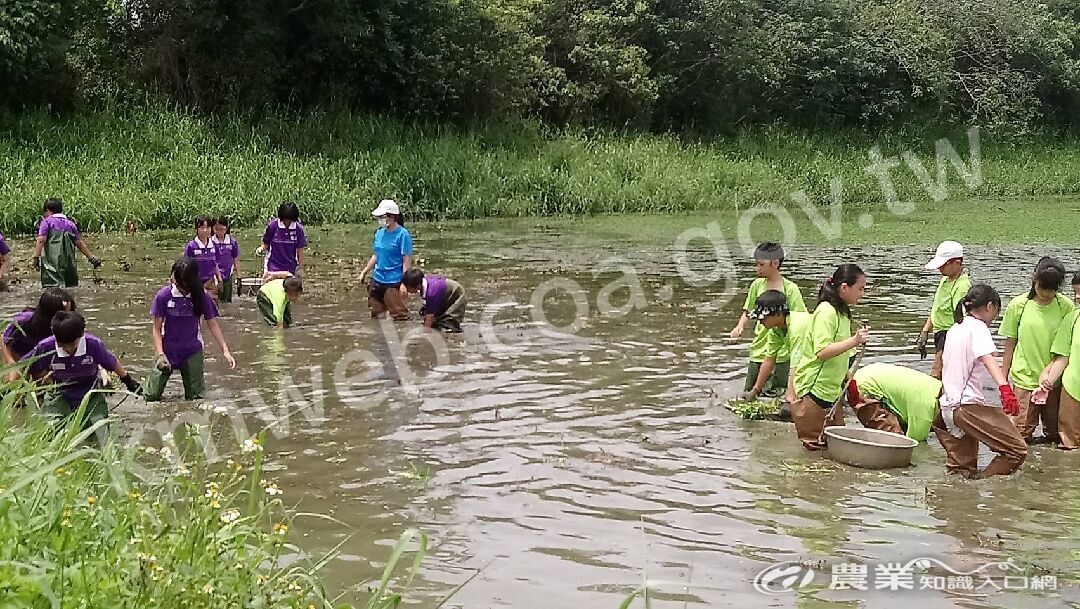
<point>1049,275</point>
<point>979,296</point>
<point>185,272</point>
<point>830,290</point>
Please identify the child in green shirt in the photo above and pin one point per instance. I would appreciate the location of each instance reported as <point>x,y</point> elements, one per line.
<point>275,297</point>
<point>894,398</point>
<point>786,329</point>
<point>954,285</point>
<point>1065,369</point>
<point>766,374</point>
<point>1030,324</point>
<point>823,354</point>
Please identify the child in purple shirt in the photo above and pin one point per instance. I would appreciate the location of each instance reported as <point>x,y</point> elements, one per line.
<point>71,360</point>
<point>228,252</point>
<point>285,240</point>
<point>30,327</point>
<point>177,310</point>
<point>5,261</point>
<point>204,252</point>
<point>58,238</point>
<point>444,300</point>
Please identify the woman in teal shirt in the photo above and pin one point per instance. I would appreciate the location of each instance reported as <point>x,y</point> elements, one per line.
<point>392,257</point>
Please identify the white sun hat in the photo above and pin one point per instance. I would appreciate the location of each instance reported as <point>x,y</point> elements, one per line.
<point>945,252</point>
<point>386,206</point>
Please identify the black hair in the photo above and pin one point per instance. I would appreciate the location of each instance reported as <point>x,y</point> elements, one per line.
<point>288,211</point>
<point>185,272</point>
<point>1049,275</point>
<point>413,278</point>
<point>293,284</point>
<point>224,221</point>
<point>68,326</point>
<point>977,297</point>
<point>49,304</point>
<point>830,290</point>
<point>399,218</point>
<point>1076,278</point>
<point>772,300</point>
<point>204,221</point>
<point>770,250</point>
<point>53,205</point>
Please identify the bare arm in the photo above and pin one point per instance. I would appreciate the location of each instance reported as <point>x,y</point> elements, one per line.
<point>764,372</point>
<point>9,359</point>
<point>994,369</point>
<point>929,325</point>
<point>429,322</point>
<point>1052,374</point>
<point>215,331</point>
<point>39,244</point>
<point>367,268</point>
<point>5,262</point>
<point>740,326</point>
<point>81,245</point>
<point>406,264</point>
<point>1007,358</point>
<point>838,348</point>
<point>299,257</point>
<point>159,347</point>
<point>791,397</point>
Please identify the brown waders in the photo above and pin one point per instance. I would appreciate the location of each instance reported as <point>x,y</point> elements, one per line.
<point>874,415</point>
<point>811,415</point>
<point>981,424</point>
<point>384,297</point>
<point>1031,414</point>
<point>1068,422</point>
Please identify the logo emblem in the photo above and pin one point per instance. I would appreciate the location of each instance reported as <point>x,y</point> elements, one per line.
<point>783,578</point>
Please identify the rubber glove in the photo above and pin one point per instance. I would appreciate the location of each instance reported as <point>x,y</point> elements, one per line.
<point>853,396</point>
<point>94,262</point>
<point>1009,404</point>
<point>131,385</point>
<point>921,343</point>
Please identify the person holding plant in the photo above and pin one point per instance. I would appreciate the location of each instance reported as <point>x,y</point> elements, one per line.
<point>391,259</point>
<point>823,358</point>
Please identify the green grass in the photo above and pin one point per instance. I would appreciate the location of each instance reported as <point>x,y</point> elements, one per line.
<point>161,168</point>
<point>129,527</point>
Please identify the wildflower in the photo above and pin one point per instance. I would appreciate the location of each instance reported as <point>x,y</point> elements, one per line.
<point>206,406</point>
<point>208,589</point>
<point>280,528</point>
<point>148,449</point>
<point>91,500</point>
<point>167,437</point>
<point>222,410</point>
<point>147,558</point>
<point>212,490</point>
<point>230,516</point>
<point>294,587</point>
<point>60,471</point>
<point>136,495</point>
<point>66,523</point>
<point>252,445</point>
<point>182,470</point>
<point>214,503</point>
<point>272,489</point>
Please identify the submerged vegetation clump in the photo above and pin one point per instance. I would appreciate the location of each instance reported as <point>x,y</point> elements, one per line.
<point>755,410</point>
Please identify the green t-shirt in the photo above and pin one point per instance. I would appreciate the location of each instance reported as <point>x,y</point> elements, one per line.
<point>1034,327</point>
<point>1067,343</point>
<point>789,339</point>
<point>275,293</point>
<point>823,378</point>
<point>759,346</point>
<point>949,294</point>
<point>910,394</point>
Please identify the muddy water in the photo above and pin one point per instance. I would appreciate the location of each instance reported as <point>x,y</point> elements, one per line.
<point>567,468</point>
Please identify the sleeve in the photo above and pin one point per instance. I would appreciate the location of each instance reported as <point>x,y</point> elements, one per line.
<point>75,231</point>
<point>9,333</point>
<point>918,425</point>
<point>1063,339</point>
<point>157,307</point>
<point>963,286</point>
<point>794,297</point>
<point>104,357</point>
<point>823,327</point>
<point>406,244</point>
<point>375,240</point>
<point>775,342</point>
<point>268,236</point>
<point>751,297</point>
<point>982,342</point>
<point>301,237</point>
<point>188,249</point>
<point>235,248</point>
<point>279,307</point>
<point>43,228</point>
<point>1010,323</point>
<point>39,365</point>
<point>209,308</point>
<point>4,249</point>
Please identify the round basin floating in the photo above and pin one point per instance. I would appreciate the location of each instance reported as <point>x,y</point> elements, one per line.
<point>869,448</point>
<point>248,286</point>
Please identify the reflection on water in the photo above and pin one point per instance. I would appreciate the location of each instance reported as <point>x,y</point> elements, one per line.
<point>569,468</point>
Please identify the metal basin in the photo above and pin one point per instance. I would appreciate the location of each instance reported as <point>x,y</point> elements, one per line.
<point>248,286</point>
<point>869,448</point>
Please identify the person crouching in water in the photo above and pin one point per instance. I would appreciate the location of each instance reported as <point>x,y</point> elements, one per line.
<point>71,358</point>
<point>275,297</point>
<point>444,300</point>
<point>788,329</point>
<point>965,419</point>
<point>823,358</point>
<point>894,398</point>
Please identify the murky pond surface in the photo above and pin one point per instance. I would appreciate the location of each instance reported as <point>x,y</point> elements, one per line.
<point>566,466</point>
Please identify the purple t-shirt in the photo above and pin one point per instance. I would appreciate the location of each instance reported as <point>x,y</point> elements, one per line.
<point>76,372</point>
<point>283,242</point>
<point>206,255</point>
<point>18,337</point>
<point>435,295</point>
<point>227,253</point>
<point>58,222</point>
<point>180,335</point>
<point>4,249</point>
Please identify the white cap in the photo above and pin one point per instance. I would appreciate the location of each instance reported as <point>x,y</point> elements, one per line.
<point>945,252</point>
<point>386,206</point>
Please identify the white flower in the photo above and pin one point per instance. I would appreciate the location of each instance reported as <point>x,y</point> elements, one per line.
<point>230,516</point>
<point>252,445</point>
<point>167,438</point>
<point>206,406</point>
<point>147,557</point>
<point>222,410</point>
<point>272,489</point>
<point>149,449</point>
<point>182,470</point>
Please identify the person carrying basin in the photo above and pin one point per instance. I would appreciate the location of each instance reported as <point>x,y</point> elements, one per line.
<point>894,398</point>
<point>392,258</point>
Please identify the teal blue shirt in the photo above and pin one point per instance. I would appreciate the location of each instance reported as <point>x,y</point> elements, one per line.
<point>390,250</point>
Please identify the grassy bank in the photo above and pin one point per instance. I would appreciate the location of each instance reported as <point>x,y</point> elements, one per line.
<point>160,168</point>
<point>147,527</point>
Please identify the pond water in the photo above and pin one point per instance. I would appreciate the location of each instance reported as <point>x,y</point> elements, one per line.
<point>568,462</point>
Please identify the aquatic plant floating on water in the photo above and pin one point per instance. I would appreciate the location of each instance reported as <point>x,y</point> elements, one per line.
<point>755,410</point>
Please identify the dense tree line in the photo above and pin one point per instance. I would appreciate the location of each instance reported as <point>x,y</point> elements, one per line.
<point>711,65</point>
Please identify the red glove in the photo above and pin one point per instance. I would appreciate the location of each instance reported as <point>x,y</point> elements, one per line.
<point>853,396</point>
<point>1009,404</point>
